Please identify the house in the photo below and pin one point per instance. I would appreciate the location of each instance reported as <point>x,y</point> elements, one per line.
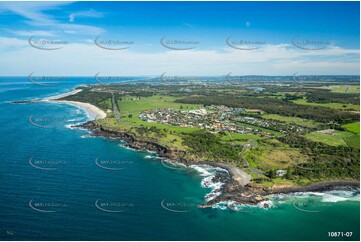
<point>280,173</point>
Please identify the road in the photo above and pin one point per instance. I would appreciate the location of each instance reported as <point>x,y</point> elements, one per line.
<point>115,109</point>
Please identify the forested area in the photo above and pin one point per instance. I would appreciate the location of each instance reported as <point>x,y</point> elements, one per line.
<point>325,161</point>
<point>205,144</point>
<point>329,97</point>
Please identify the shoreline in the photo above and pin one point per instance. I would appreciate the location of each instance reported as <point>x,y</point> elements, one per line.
<point>232,189</point>
<point>237,186</point>
<point>317,186</point>
<point>92,111</point>
<point>75,91</point>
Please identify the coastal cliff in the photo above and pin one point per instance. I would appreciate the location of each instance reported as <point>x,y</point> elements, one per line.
<point>231,190</point>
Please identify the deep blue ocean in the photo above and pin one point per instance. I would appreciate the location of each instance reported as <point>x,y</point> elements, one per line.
<point>53,186</point>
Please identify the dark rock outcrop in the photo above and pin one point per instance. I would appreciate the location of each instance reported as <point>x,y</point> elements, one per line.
<point>231,190</point>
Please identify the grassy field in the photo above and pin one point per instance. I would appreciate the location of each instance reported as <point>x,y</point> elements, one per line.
<point>290,120</point>
<point>343,88</point>
<point>130,108</point>
<point>353,127</point>
<point>148,103</point>
<point>340,106</point>
<point>263,159</point>
<point>343,138</point>
<point>242,138</point>
<point>135,107</point>
<point>354,140</point>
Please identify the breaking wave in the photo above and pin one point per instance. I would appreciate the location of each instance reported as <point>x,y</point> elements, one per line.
<point>209,181</point>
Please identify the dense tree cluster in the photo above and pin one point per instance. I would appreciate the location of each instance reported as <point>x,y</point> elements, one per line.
<point>325,96</point>
<point>147,131</point>
<point>88,96</point>
<point>325,161</point>
<point>205,144</point>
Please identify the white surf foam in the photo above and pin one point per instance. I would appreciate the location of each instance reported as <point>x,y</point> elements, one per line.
<point>127,147</point>
<point>209,173</point>
<point>332,196</point>
<point>202,170</point>
<point>235,206</point>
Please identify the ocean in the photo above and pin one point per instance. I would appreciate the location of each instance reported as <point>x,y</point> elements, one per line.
<point>61,183</point>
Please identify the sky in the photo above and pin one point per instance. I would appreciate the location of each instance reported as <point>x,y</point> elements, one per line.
<point>179,38</point>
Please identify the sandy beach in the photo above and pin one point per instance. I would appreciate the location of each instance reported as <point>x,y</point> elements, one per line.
<point>92,111</point>
<point>52,98</point>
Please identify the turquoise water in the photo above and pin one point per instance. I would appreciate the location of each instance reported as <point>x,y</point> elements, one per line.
<point>53,189</point>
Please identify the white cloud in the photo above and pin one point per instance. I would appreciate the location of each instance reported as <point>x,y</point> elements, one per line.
<point>87,59</point>
<point>188,25</point>
<point>32,11</point>
<point>34,14</point>
<point>11,44</point>
<point>90,13</point>
<point>31,33</point>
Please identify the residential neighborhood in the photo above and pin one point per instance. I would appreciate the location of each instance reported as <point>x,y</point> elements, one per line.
<point>218,119</point>
<point>213,118</point>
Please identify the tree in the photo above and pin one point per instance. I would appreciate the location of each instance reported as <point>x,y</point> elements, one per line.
<point>288,175</point>
<point>271,173</point>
